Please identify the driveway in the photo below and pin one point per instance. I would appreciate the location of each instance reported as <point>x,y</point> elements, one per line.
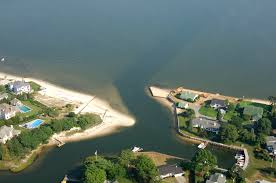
<point>180,179</point>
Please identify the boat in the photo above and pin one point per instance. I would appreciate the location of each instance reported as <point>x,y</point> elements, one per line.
<point>136,149</point>
<point>239,156</point>
<point>2,59</point>
<point>203,145</point>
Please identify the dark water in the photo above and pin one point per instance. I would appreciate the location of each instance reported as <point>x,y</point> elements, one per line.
<point>114,49</point>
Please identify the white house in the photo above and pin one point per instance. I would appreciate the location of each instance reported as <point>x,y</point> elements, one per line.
<point>7,111</point>
<point>19,87</point>
<point>170,171</point>
<point>7,133</point>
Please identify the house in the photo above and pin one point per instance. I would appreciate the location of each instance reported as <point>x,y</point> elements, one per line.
<point>255,113</point>
<point>188,96</point>
<point>3,96</point>
<point>182,105</point>
<point>262,181</point>
<point>217,178</point>
<point>271,144</point>
<point>170,171</point>
<point>206,124</point>
<point>7,133</point>
<point>218,104</point>
<point>15,102</point>
<point>7,111</point>
<point>19,87</point>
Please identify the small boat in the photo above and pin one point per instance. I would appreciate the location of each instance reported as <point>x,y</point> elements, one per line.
<point>239,156</point>
<point>202,145</point>
<point>136,149</point>
<point>2,59</point>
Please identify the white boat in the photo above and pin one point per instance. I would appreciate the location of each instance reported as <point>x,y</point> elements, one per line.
<point>3,59</point>
<point>136,149</point>
<point>202,145</point>
<point>239,156</point>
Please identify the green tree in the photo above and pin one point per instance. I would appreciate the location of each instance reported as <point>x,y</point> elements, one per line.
<point>146,169</point>
<point>126,158</point>
<point>203,162</point>
<point>228,133</point>
<point>264,126</point>
<point>2,88</point>
<point>237,121</point>
<point>93,174</point>
<point>247,137</point>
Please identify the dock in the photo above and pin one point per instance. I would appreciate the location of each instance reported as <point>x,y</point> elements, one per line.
<point>59,142</point>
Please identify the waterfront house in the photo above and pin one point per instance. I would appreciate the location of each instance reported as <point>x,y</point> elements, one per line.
<point>255,113</point>
<point>182,105</point>
<point>206,124</point>
<point>217,178</point>
<point>19,87</point>
<point>3,96</point>
<point>15,102</point>
<point>188,96</point>
<point>7,133</point>
<point>271,144</point>
<point>170,171</point>
<point>218,104</point>
<point>7,111</point>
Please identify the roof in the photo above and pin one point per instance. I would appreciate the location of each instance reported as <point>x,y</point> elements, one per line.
<point>253,111</point>
<point>19,84</point>
<point>206,123</point>
<point>6,108</point>
<point>271,141</point>
<point>166,169</point>
<point>188,95</point>
<point>15,101</point>
<point>217,178</point>
<point>218,102</point>
<point>182,104</point>
<point>5,130</point>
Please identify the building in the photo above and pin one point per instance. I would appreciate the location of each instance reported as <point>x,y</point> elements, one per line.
<point>271,144</point>
<point>217,178</point>
<point>206,124</point>
<point>170,171</point>
<point>182,105</point>
<point>218,104</point>
<point>7,111</point>
<point>19,87</point>
<point>15,102</point>
<point>255,113</point>
<point>262,181</point>
<point>188,96</point>
<point>7,133</point>
<point>3,96</point>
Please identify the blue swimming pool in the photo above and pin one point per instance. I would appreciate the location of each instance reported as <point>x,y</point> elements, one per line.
<point>33,124</point>
<point>24,109</point>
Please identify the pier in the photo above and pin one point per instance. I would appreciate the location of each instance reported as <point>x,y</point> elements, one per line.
<point>59,142</point>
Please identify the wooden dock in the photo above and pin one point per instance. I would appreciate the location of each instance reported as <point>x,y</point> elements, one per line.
<point>59,142</point>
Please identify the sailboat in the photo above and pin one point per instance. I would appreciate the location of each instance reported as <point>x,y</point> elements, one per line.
<point>2,59</point>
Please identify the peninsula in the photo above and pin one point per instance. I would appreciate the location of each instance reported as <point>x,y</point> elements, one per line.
<point>28,103</point>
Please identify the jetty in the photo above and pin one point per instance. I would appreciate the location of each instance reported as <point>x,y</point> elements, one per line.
<point>59,142</point>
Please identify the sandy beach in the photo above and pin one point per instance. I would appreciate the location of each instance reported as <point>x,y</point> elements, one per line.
<point>84,103</point>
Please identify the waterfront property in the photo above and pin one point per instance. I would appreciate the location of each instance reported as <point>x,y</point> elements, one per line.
<point>33,124</point>
<point>170,171</point>
<point>3,96</point>
<point>255,113</point>
<point>217,178</point>
<point>7,133</point>
<point>7,111</point>
<point>218,104</point>
<point>188,96</point>
<point>182,105</point>
<point>19,87</point>
<point>271,144</point>
<point>206,124</point>
<point>15,102</point>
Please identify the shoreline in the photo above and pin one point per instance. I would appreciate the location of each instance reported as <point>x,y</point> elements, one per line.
<point>112,120</point>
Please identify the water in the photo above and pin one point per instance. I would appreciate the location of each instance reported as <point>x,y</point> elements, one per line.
<point>115,49</point>
<point>24,109</point>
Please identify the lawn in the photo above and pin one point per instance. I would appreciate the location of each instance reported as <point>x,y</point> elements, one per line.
<point>229,114</point>
<point>183,122</point>
<point>35,110</point>
<point>208,111</point>
<point>246,103</point>
<point>35,86</point>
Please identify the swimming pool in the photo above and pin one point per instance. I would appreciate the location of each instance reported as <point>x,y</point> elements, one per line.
<point>24,109</point>
<point>33,124</point>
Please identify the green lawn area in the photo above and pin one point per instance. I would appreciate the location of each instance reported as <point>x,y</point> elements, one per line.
<point>35,110</point>
<point>229,115</point>
<point>183,122</point>
<point>34,86</point>
<point>208,111</point>
<point>246,103</point>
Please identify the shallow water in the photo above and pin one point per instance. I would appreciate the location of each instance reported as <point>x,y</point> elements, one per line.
<point>115,49</point>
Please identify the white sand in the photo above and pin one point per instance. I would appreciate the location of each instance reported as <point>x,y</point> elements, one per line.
<point>112,119</point>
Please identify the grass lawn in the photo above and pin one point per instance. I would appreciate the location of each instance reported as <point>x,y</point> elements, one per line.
<point>34,86</point>
<point>229,115</point>
<point>246,103</point>
<point>208,111</point>
<point>183,122</point>
<point>35,110</point>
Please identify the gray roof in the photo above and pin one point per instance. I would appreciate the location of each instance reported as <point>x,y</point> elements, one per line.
<point>19,84</point>
<point>218,102</point>
<point>6,108</point>
<point>166,169</point>
<point>185,95</point>
<point>5,130</point>
<point>217,178</point>
<point>206,123</point>
<point>15,102</point>
<point>271,141</point>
